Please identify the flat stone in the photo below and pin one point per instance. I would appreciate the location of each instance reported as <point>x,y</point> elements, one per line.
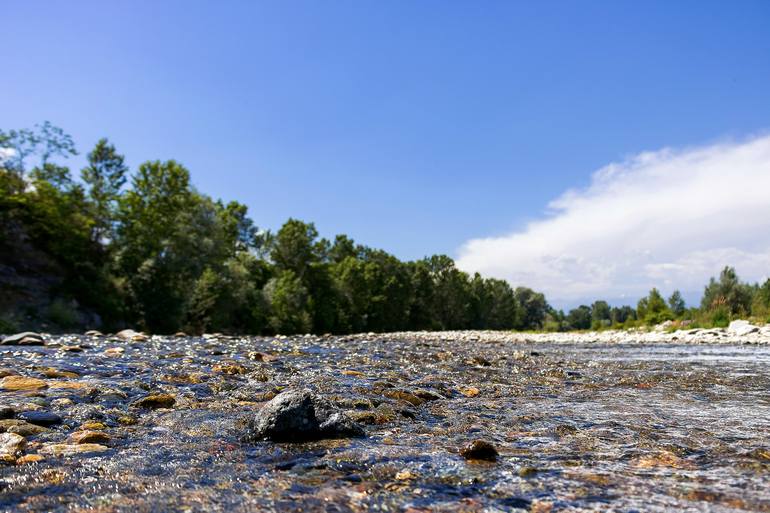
<point>29,458</point>
<point>50,372</point>
<point>71,449</point>
<point>68,385</point>
<point>27,338</point>
<point>301,415</point>
<point>18,383</point>
<point>93,426</point>
<point>20,427</point>
<point>40,418</point>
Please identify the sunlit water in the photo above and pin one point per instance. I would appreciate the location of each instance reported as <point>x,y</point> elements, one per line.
<point>578,427</point>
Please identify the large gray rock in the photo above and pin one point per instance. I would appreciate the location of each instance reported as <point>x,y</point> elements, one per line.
<point>741,328</point>
<point>299,416</point>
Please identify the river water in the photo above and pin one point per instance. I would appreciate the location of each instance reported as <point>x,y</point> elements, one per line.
<point>585,427</point>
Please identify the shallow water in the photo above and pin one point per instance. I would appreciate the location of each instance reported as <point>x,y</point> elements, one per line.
<point>578,427</point>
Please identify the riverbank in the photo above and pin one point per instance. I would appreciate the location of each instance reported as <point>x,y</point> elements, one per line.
<point>740,333</point>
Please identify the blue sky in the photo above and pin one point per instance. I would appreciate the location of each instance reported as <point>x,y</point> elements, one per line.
<point>411,126</point>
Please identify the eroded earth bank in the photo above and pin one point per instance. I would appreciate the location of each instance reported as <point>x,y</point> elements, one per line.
<point>133,423</point>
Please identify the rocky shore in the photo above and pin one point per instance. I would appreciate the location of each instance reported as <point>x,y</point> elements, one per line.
<point>442,421</point>
<point>738,332</point>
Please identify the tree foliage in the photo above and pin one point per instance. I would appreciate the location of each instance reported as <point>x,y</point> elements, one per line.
<point>149,250</point>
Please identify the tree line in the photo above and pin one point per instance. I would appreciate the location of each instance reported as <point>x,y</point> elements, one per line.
<point>147,250</point>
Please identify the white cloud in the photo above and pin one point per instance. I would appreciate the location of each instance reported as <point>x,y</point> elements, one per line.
<point>669,219</point>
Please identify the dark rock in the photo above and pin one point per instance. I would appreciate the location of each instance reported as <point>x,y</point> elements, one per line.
<point>479,450</point>
<point>26,338</point>
<point>40,418</point>
<point>301,415</point>
<point>6,412</point>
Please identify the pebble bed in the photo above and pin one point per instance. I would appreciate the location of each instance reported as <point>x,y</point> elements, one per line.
<point>454,421</point>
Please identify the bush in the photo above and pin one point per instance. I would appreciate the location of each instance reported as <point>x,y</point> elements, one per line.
<point>719,317</point>
<point>8,326</point>
<point>62,314</point>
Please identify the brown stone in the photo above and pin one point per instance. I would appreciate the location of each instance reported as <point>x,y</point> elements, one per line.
<point>154,401</point>
<point>71,449</point>
<point>20,427</point>
<point>16,383</point>
<point>29,458</point>
<point>88,437</point>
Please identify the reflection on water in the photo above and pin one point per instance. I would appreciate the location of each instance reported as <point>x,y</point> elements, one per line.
<point>578,427</point>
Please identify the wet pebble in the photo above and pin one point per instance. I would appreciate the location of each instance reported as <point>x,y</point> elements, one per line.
<point>40,418</point>
<point>21,427</point>
<point>21,383</point>
<point>479,450</point>
<point>87,437</point>
<point>154,401</point>
<point>10,445</point>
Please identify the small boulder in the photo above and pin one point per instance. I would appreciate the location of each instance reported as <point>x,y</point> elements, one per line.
<point>741,328</point>
<point>154,401</point>
<point>10,445</point>
<point>479,450</point>
<point>301,415</point>
<point>27,338</point>
<point>89,437</point>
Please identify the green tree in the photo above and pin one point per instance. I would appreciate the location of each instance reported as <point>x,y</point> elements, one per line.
<point>600,315</point>
<point>727,293</point>
<point>532,308</point>
<point>104,176</point>
<point>622,315</point>
<point>294,247</point>
<point>653,309</point>
<point>579,318</point>
<point>495,304</point>
<point>167,236</point>
<point>676,304</point>
<point>451,293</point>
<point>46,141</point>
<point>289,303</point>
<point>760,306</point>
